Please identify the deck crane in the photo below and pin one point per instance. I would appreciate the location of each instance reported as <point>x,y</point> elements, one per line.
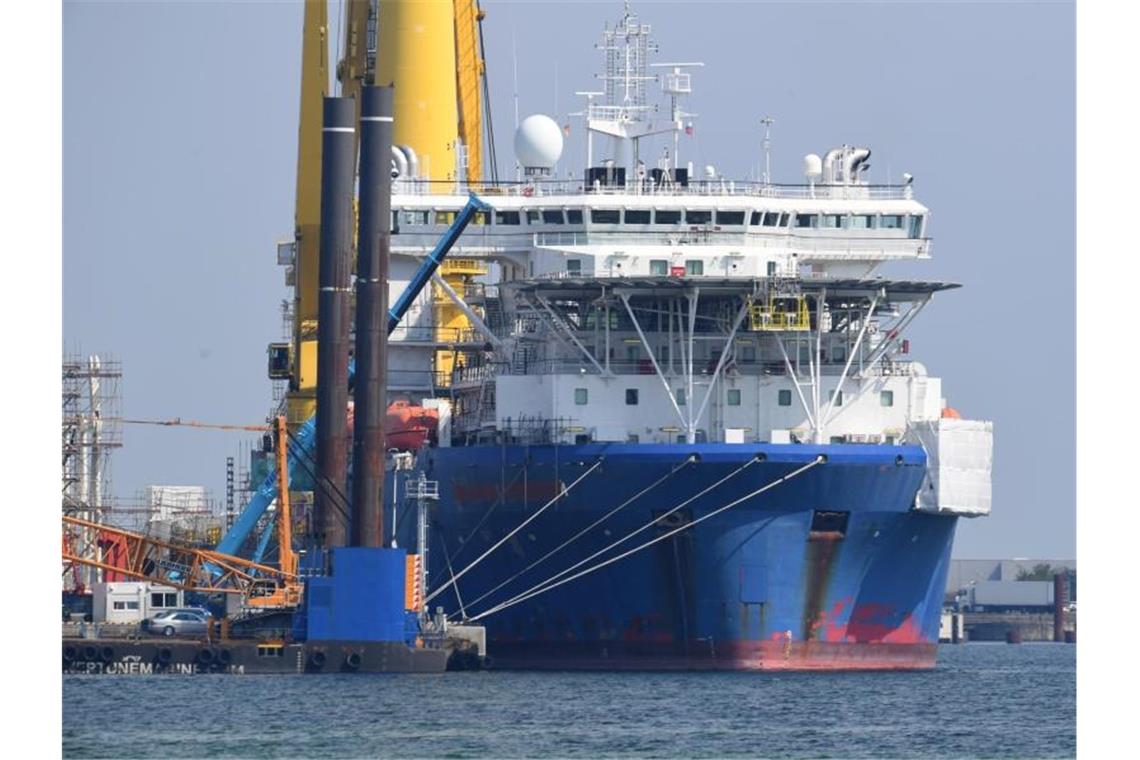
<point>418,64</point>
<point>305,438</point>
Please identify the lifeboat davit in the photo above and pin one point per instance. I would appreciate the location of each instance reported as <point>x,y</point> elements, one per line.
<point>408,426</point>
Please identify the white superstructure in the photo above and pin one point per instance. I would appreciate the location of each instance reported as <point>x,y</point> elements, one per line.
<point>647,304</point>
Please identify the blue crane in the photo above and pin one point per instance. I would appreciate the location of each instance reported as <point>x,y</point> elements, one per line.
<point>306,435</point>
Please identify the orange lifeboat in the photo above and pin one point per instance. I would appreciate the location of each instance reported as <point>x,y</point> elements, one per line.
<point>408,426</point>
<point>950,413</point>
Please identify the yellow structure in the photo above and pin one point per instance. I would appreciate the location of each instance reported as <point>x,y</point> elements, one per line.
<point>429,49</point>
<point>416,53</point>
<point>302,398</point>
<point>779,314</point>
<point>451,324</point>
<point>469,71</point>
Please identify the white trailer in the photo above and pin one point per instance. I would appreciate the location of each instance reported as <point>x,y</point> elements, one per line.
<point>132,601</point>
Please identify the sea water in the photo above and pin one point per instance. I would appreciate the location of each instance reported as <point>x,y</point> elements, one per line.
<point>983,700</point>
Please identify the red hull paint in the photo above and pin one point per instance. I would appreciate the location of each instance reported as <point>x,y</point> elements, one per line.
<point>749,656</point>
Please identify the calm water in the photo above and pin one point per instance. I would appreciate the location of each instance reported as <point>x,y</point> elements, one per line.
<point>984,700</point>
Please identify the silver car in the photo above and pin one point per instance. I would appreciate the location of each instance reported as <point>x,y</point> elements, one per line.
<point>184,622</point>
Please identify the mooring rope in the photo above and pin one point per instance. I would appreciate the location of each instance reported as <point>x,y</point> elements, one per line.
<point>507,537</point>
<point>628,536</point>
<point>447,556</point>
<point>688,460</point>
<point>502,497</point>
<point>543,589</point>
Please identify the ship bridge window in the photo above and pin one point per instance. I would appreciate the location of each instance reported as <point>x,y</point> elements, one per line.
<point>637,216</point>
<point>552,216</point>
<point>915,226</point>
<point>862,222</point>
<point>533,216</point>
<point>481,217</point>
<point>773,219</point>
<point>414,217</point>
<point>667,216</point>
<point>573,216</point>
<point>807,221</point>
<point>694,267</point>
<point>605,216</point>
<point>445,217</point>
<point>891,222</point>
<point>507,217</point>
<point>831,221</point>
<point>659,267</point>
<point>730,217</point>
<point>698,217</point>
<point>755,218</point>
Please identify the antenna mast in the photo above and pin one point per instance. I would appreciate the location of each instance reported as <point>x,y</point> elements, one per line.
<point>767,121</point>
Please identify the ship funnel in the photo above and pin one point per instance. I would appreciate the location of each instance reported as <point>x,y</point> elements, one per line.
<point>829,164</point>
<point>852,163</point>
<point>413,161</point>
<point>399,164</point>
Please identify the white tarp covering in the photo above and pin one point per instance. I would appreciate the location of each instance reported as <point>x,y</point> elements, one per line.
<point>959,465</point>
<point>168,502</point>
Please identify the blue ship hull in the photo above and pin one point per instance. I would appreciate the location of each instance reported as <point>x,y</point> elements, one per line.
<point>830,569</point>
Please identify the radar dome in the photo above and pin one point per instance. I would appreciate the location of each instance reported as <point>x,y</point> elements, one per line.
<point>813,166</point>
<point>538,142</point>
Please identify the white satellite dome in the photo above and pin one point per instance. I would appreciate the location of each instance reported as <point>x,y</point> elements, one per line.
<point>538,142</point>
<point>813,166</point>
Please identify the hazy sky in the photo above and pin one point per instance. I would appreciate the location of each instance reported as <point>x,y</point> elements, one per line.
<point>180,128</point>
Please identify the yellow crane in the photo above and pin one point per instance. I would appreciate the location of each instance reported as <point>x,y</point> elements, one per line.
<point>430,50</point>
<point>469,72</point>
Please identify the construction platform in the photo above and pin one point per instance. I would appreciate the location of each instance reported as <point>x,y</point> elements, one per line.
<point>107,656</point>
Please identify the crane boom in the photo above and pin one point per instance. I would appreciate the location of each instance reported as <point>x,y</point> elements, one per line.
<point>149,558</point>
<point>301,398</point>
<point>469,69</point>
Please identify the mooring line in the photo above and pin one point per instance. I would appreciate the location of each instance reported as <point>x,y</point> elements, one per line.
<point>628,536</point>
<point>587,529</point>
<point>599,566</point>
<point>500,499</point>
<point>507,537</point>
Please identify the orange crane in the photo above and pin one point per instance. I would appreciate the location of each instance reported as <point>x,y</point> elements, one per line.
<point>152,559</point>
<point>179,422</point>
<point>193,569</point>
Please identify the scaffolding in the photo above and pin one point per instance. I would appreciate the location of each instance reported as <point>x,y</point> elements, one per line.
<point>91,431</point>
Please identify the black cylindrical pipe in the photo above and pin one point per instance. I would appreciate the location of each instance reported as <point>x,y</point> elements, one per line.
<point>338,159</point>
<point>370,393</point>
